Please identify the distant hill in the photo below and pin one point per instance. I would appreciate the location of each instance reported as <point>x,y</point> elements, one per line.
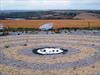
<point>49,15</point>
<point>86,16</point>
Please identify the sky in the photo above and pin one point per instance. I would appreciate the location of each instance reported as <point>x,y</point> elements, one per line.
<point>49,4</point>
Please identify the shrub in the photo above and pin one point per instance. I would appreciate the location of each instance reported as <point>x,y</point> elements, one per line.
<point>7,46</point>
<point>25,44</point>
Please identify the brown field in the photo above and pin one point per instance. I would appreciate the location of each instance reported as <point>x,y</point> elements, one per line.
<point>87,16</point>
<point>57,23</point>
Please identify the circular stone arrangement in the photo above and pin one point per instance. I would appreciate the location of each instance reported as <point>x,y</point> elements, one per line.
<point>50,55</point>
<point>49,51</point>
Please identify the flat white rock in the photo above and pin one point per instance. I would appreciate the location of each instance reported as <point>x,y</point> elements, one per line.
<point>46,26</point>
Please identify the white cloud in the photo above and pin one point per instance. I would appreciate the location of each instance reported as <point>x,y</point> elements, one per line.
<point>33,4</point>
<point>47,4</point>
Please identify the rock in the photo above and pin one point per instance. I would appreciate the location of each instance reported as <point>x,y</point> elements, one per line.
<point>46,26</point>
<point>1,26</point>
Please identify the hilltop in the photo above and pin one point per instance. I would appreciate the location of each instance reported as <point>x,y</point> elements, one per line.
<point>50,14</point>
<point>86,16</point>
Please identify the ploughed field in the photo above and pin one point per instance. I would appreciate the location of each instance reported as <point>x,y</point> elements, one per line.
<point>57,23</point>
<point>82,57</point>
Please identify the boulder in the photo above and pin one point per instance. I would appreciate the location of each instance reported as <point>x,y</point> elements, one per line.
<point>47,26</point>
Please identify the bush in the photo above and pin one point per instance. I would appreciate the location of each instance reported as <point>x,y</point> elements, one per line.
<point>7,46</point>
<point>25,44</point>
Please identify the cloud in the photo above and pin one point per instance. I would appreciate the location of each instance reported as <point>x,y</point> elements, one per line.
<point>33,4</point>
<point>48,4</point>
<point>85,1</point>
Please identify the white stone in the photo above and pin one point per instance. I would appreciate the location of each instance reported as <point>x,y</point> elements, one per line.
<point>50,51</point>
<point>46,26</point>
<point>1,26</point>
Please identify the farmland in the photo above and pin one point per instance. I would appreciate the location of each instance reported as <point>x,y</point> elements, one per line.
<point>57,23</point>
